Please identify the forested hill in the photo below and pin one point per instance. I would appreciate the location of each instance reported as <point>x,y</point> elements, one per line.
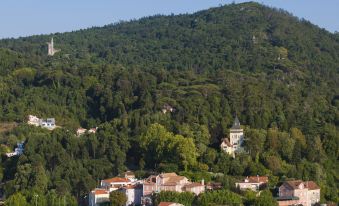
<point>278,73</point>
<point>228,49</point>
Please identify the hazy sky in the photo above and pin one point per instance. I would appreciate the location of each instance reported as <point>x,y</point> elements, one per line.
<point>28,17</point>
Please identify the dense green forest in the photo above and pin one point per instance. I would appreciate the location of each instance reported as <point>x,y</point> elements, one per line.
<point>277,73</point>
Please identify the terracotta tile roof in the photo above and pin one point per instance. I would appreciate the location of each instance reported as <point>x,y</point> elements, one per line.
<point>100,192</point>
<point>172,174</point>
<point>116,180</point>
<point>257,179</point>
<point>174,179</point>
<point>293,184</point>
<point>227,142</point>
<point>311,185</point>
<point>170,184</point>
<point>138,186</point>
<point>151,179</point>
<point>308,184</point>
<point>194,184</point>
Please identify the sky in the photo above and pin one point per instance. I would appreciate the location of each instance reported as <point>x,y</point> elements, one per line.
<point>30,17</point>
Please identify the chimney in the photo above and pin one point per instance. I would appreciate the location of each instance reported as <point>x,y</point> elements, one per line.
<point>246,179</point>
<point>203,182</point>
<point>258,178</point>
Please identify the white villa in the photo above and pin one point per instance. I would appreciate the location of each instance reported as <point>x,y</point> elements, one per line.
<point>254,183</point>
<point>234,144</point>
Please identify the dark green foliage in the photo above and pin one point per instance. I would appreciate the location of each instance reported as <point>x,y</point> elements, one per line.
<point>219,197</point>
<point>117,198</point>
<point>185,198</point>
<point>68,164</point>
<point>265,199</point>
<point>279,74</point>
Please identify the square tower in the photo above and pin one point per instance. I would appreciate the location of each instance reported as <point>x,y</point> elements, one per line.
<point>236,136</point>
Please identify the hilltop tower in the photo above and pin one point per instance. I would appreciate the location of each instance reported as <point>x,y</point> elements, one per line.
<point>51,50</point>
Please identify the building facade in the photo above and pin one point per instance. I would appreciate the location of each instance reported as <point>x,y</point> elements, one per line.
<point>254,183</point>
<point>235,142</point>
<point>48,123</point>
<point>98,196</point>
<point>171,182</point>
<point>115,183</point>
<point>133,194</point>
<point>304,193</point>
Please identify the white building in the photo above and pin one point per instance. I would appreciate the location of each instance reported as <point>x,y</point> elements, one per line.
<point>98,196</point>
<point>254,183</point>
<point>51,50</point>
<point>33,120</point>
<point>19,150</point>
<point>133,194</point>
<point>115,183</point>
<point>234,144</point>
<point>48,123</point>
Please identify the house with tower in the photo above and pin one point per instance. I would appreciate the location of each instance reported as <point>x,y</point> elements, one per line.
<point>234,144</point>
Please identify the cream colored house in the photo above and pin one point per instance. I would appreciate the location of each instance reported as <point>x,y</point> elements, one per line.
<point>171,182</point>
<point>304,193</point>
<point>254,183</point>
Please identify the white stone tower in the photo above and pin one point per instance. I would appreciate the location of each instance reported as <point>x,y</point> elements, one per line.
<point>236,136</point>
<point>51,50</point>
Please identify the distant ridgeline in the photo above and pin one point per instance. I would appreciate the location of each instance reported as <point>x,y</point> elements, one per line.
<point>189,73</point>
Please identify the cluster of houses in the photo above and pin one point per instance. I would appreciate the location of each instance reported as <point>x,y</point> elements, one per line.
<point>138,192</point>
<point>291,193</point>
<point>19,150</point>
<point>48,123</point>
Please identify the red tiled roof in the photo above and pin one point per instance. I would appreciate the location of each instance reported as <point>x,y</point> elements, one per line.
<point>257,179</point>
<point>293,184</point>
<point>138,186</point>
<point>116,179</point>
<point>227,142</point>
<point>175,179</point>
<point>172,174</point>
<point>151,180</point>
<point>194,184</point>
<point>100,191</point>
<point>308,184</point>
<point>311,185</point>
